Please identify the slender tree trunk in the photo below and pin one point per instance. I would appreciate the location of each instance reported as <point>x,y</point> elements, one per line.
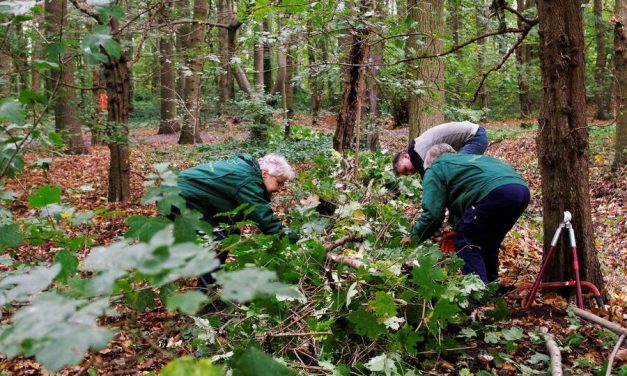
<point>182,46</point>
<point>267,60</point>
<point>481,18</point>
<point>35,79</point>
<point>169,120</point>
<point>425,110</point>
<point>66,118</point>
<point>601,97</point>
<point>155,82</point>
<point>348,118</point>
<point>620,75</point>
<point>190,132</point>
<point>258,55</point>
<point>288,89</point>
<point>521,58</point>
<point>5,73</point>
<point>314,71</point>
<point>563,138</point>
<point>116,75</point>
<point>225,78</point>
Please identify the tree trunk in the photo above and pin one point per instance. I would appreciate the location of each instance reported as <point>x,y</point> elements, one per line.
<point>521,58</point>
<point>5,74</point>
<point>314,72</point>
<point>425,110</point>
<point>288,89</point>
<point>225,79</point>
<point>354,82</point>
<point>155,82</point>
<point>182,45</point>
<point>481,19</point>
<point>620,74</point>
<point>258,55</point>
<point>66,119</point>
<point>116,75</point>
<point>98,134</point>
<point>601,97</point>
<point>562,138</point>
<point>169,121</point>
<point>267,60</point>
<point>190,132</point>
<point>35,79</point>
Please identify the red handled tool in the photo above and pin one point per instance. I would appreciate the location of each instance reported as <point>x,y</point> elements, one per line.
<point>578,283</point>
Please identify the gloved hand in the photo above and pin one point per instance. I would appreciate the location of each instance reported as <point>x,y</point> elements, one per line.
<point>447,242</point>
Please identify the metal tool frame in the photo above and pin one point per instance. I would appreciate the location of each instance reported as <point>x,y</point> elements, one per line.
<point>578,283</point>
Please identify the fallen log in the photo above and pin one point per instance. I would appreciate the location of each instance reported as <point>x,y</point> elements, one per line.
<point>614,327</point>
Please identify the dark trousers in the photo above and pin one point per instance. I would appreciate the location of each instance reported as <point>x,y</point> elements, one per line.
<point>207,279</point>
<point>483,227</point>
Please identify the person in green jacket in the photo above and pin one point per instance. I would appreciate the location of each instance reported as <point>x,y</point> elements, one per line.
<point>486,193</point>
<point>222,186</point>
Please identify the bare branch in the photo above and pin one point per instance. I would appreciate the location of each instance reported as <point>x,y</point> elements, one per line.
<point>554,351</point>
<point>86,9</point>
<point>503,60</point>
<point>521,16</point>
<point>144,34</point>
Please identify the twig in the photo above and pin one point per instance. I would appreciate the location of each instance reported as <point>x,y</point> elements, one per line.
<point>295,334</point>
<point>554,351</point>
<point>353,262</point>
<point>614,327</point>
<point>613,355</point>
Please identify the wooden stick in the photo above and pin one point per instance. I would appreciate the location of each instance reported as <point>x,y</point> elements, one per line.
<point>353,262</point>
<point>341,241</point>
<point>614,327</point>
<point>296,334</point>
<point>608,372</point>
<point>554,351</point>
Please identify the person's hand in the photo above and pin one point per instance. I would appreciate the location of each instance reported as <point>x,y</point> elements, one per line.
<point>310,200</point>
<point>406,240</point>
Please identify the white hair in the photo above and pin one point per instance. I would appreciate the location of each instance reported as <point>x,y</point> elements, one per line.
<point>435,151</point>
<point>276,165</point>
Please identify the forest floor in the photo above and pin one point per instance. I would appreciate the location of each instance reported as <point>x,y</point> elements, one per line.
<point>520,257</point>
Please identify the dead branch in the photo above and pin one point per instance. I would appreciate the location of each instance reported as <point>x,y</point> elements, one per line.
<point>610,361</point>
<point>353,262</point>
<point>295,334</point>
<point>341,241</point>
<point>86,9</point>
<point>554,351</point>
<point>614,327</point>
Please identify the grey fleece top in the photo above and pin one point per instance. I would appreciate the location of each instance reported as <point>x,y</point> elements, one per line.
<point>455,133</point>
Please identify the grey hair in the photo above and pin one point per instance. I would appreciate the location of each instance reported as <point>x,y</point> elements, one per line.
<point>276,165</point>
<point>435,151</point>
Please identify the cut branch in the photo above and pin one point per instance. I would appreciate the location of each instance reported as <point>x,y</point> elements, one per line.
<point>353,262</point>
<point>554,351</point>
<point>610,360</point>
<point>614,327</point>
<point>341,241</point>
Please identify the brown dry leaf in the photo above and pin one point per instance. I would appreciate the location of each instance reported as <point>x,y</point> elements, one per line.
<point>621,355</point>
<point>555,300</point>
<point>446,365</point>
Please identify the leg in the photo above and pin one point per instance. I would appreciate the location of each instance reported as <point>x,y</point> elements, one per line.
<point>477,143</point>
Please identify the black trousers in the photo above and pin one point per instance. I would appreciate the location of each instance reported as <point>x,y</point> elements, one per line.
<point>207,279</point>
<point>483,227</point>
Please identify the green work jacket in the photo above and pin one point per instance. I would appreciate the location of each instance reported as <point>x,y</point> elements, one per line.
<point>457,181</point>
<point>222,186</point>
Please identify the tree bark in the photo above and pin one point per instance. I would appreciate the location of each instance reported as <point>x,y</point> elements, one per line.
<point>314,72</point>
<point>354,77</point>
<point>116,75</point>
<point>601,97</point>
<point>225,80</point>
<point>267,60</point>
<point>562,138</point>
<point>481,19</point>
<point>258,60</point>
<point>66,119</point>
<point>182,45</point>
<point>288,89</point>
<point>620,76</point>
<point>169,120</point>
<point>522,54</point>
<point>425,110</point>
<point>5,73</point>
<point>190,131</point>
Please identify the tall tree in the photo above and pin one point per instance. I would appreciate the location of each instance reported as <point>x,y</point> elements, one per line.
<point>258,50</point>
<point>349,116</point>
<point>601,81</point>
<point>5,71</point>
<point>562,139</point>
<point>227,35</point>
<point>182,36</point>
<point>425,110</point>
<point>314,72</point>
<point>66,118</point>
<point>190,131</point>
<point>522,54</point>
<point>481,14</point>
<point>267,58</point>
<point>167,77</point>
<point>620,74</point>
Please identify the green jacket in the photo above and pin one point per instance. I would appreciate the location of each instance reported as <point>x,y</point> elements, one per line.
<point>222,186</point>
<point>457,181</point>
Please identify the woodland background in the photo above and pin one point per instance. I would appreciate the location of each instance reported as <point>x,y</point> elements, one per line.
<point>101,103</point>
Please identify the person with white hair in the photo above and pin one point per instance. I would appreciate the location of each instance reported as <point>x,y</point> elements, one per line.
<point>486,193</point>
<point>223,186</point>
